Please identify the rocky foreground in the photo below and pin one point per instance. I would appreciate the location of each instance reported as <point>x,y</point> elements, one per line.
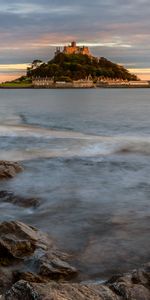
<point>31,267</point>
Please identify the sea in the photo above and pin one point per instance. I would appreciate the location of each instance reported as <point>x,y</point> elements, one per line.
<point>86,158</point>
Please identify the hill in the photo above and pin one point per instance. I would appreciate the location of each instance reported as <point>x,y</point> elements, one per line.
<point>69,67</point>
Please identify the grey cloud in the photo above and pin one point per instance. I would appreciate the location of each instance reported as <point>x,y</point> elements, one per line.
<point>110,21</point>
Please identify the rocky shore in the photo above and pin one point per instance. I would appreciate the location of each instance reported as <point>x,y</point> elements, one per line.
<point>31,266</point>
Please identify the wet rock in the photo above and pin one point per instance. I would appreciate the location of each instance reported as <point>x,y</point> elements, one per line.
<point>55,268</point>
<point>22,290</point>
<point>17,240</point>
<point>27,253</point>
<point>17,200</point>
<point>121,288</point>
<point>9,169</point>
<point>134,285</point>
<point>29,277</point>
<point>35,269</point>
<point>54,291</point>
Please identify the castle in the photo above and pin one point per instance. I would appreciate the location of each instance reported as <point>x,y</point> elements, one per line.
<point>74,49</point>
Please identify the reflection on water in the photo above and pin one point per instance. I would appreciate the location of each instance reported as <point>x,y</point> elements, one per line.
<point>88,166</point>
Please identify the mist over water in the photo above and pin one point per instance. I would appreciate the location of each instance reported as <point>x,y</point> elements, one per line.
<point>86,155</point>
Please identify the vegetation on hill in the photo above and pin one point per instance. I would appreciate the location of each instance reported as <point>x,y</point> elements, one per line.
<point>68,67</point>
<point>21,82</point>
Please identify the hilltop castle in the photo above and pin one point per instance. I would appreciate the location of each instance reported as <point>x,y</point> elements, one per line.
<point>74,49</point>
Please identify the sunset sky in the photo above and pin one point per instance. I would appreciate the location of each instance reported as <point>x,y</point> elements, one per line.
<point>116,29</point>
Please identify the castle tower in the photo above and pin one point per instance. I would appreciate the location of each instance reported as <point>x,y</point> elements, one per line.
<point>74,49</point>
<point>73,44</point>
<point>58,50</point>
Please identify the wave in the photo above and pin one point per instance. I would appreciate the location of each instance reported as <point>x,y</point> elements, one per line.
<point>96,151</point>
<point>76,144</point>
<point>119,145</point>
<point>33,131</point>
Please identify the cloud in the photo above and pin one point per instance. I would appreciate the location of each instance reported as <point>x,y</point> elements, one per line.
<point>33,8</point>
<point>13,67</point>
<point>12,71</point>
<point>116,29</point>
<point>96,44</point>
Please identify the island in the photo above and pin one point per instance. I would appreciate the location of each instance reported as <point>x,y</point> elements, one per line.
<point>74,66</point>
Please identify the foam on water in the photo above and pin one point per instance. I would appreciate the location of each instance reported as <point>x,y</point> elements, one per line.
<point>81,144</point>
<point>75,143</point>
<point>27,131</point>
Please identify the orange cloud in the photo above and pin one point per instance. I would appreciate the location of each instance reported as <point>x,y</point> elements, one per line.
<point>10,72</point>
<point>13,67</point>
<point>9,76</point>
<point>143,74</point>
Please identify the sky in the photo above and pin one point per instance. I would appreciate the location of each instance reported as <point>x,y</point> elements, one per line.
<point>115,29</point>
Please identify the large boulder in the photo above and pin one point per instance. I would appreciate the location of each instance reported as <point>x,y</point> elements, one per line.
<point>55,267</point>
<point>29,254</point>
<point>9,169</point>
<point>17,240</point>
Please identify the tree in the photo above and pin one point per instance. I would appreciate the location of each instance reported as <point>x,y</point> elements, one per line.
<point>78,66</point>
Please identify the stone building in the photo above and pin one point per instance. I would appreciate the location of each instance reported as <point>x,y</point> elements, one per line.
<point>50,83</point>
<point>74,49</point>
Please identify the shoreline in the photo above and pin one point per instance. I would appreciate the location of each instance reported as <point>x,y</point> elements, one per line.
<point>72,88</point>
<point>32,267</point>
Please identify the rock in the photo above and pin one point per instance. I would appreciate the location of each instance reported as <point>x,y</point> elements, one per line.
<point>9,169</point>
<point>29,277</point>
<point>134,285</point>
<point>17,240</point>
<point>17,200</point>
<point>46,268</point>
<point>22,290</point>
<point>53,291</point>
<point>27,253</point>
<point>55,268</point>
<point>32,268</point>
<point>131,286</point>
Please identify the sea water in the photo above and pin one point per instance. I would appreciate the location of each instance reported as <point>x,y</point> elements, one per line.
<point>86,157</point>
